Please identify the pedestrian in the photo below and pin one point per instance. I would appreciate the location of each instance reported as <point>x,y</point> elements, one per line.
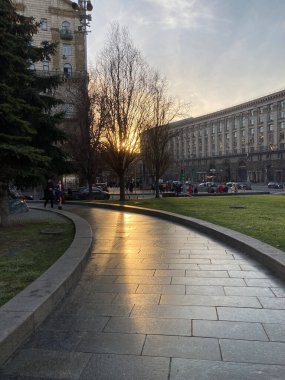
<point>221,188</point>
<point>49,193</point>
<point>131,187</point>
<point>59,194</point>
<point>234,188</point>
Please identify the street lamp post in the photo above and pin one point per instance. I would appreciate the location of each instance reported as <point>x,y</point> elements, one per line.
<point>83,7</point>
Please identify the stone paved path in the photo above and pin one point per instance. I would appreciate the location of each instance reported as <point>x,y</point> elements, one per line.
<point>160,301</point>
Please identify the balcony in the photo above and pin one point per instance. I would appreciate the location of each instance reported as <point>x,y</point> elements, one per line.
<point>66,34</point>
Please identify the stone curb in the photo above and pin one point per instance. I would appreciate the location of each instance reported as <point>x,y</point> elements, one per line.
<point>271,257</point>
<point>20,316</point>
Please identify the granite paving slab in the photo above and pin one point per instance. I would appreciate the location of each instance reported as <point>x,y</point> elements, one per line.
<point>159,300</point>
<point>183,369</point>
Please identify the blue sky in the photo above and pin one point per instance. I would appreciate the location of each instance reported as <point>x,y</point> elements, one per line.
<point>214,53</point>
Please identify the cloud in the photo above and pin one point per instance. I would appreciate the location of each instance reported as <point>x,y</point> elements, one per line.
<point>179,14</point>
<point>215,53</point>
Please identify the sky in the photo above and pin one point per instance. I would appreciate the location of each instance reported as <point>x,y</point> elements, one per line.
<point>214,53</point>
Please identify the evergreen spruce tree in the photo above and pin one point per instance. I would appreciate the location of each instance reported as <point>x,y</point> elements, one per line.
<point>30,142</point>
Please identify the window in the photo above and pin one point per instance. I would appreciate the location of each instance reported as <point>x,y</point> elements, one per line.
<point>67,50</point>
<point>67,70</point>
<point>45,66</point>
<point>32,67</point>
<point>44,24</point>
<point>66,25</point>
<point>236,122</point>
<point>270,138</point>
<point>228,124</point>
<point>261,135</point>
<point>65,31</point>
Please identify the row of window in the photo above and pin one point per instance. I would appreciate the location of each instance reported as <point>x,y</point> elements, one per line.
<point>187,134</point>
<point>228,143</point>
<point>44,25</point>
<point>67,68</point>
<point>212,150</point>
<point>241,120</point>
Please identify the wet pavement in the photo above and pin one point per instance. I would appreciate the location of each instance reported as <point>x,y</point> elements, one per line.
<point>160,301</point>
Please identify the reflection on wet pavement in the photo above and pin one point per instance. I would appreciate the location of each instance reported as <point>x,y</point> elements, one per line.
<point>160,301</point>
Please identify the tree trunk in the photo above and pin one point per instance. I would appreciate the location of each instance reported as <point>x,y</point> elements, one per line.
<point>156,183</point>
<point>122,186</point>
<point>156,188</point>
<point>4,205</point>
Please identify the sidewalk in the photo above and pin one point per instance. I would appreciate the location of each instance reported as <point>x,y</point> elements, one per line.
<point>160,301</point>
<point>23,314</point>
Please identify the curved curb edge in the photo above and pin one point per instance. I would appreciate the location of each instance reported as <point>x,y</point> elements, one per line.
<point>272,258</point>
<point>20,316</point>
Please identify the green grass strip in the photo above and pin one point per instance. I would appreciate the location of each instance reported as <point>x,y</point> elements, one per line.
<point>29,249</point>
<point>258,216</point>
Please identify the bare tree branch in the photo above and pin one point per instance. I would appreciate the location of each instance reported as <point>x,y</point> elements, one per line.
<point>156,139</point>
<point>124,87</point>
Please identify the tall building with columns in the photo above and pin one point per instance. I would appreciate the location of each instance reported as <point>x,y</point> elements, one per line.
<point>245,142</point>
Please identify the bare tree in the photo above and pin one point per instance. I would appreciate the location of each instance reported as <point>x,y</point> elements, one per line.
<point>156,151</point>
<point>124,86</point>
<point>84,142</point>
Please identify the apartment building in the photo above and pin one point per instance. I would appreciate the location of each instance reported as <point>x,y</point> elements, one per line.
<point>59,23</point>
<point>65,23</point>
<point>245,142</point>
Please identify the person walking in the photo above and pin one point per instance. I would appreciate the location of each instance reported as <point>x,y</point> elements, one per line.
<point>49,193</point>
<point>59,194</point>
<point>234,188</point>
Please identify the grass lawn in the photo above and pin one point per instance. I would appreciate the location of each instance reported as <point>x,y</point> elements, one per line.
<point>26,252</point>
<point>259,216</point>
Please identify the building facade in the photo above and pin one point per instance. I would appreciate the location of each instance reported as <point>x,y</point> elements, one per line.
<point>59,23</point>
<point>65,23</point>
<point>240,143</point>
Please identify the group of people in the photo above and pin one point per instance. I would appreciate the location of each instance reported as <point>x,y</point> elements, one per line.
<point>54,194</point>
<point>221,188</point>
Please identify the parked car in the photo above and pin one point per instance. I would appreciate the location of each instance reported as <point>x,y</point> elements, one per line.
<point>97,193</point>
<point>275,185</point>
<point>103,186</point>
<point>210,187</point>
<point>206,184</point>
<point>246,186</point>
<point>240,185</point>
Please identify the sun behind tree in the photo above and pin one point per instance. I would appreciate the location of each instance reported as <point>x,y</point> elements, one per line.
<point>123,82</point>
